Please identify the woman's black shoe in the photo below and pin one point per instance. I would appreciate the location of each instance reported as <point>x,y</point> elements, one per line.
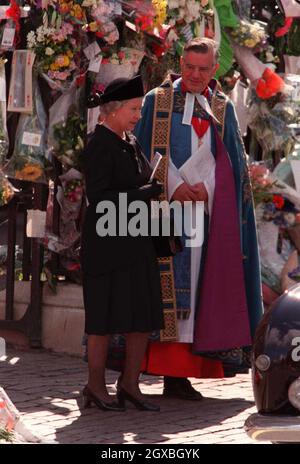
<point>89,398</point>
<point>180,387</point>
<point>124,396</point>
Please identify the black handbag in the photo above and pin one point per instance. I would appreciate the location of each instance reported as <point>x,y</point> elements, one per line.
<point>167,245</point>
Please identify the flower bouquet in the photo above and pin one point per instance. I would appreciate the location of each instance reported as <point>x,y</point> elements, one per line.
<point>69,197</point>
<point>100,20</point>
<point>69,138</point>
<point>67,127</point>
<point>28,161</point>
<point>123,62</point>
<point>261,183</point>
<point>269,120</point>
<point>74,11</point>
<point>6,190</point>
<point>56,51</point>
<point>143,13</point>
<point>185,12</point>
<point>250,35</point>
<point>73,190</point>
<point>281,211</point>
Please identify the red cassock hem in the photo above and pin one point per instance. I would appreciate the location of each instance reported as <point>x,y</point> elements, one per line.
<point>177,360</point>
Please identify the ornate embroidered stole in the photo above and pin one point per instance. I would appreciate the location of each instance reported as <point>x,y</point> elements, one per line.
<point>163,108</point>
<point>162,115</point>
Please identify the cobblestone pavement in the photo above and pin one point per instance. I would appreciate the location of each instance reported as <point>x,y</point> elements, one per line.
<point>46,387</point>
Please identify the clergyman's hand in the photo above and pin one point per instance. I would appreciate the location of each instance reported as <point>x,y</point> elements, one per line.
<point>185,192</point>
<point>200,191</point>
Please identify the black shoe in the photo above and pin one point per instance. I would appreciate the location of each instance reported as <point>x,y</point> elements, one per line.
<point>89,398</point>
<point>124,396</point>
<point>180,387</point>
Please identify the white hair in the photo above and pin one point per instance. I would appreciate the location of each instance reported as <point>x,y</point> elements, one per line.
<point>110,107</point>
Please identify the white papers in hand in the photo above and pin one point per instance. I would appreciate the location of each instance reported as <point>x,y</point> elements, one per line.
<point>154,164</point>
<point>199,167</point>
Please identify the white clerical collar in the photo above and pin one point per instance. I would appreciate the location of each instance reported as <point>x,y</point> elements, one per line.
<point>189,107</point>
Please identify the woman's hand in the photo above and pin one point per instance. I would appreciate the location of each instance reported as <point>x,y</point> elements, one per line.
<point>153,189</point>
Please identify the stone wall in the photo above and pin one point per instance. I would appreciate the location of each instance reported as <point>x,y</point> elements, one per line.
<point>62,317</point>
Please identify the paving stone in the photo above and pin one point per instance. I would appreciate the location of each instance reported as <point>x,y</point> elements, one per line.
<point>46,388</point>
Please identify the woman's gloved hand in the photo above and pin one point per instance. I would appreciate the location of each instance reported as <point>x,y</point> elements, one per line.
<point>153,189</point>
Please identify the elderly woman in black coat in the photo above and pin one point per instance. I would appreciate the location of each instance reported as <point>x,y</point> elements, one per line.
<point>121,283</point>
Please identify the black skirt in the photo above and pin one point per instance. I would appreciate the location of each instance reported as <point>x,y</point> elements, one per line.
<point>124,300</point>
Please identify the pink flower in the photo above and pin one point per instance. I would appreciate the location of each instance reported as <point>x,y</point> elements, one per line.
<point>60,60</point>
<point>60,75</point>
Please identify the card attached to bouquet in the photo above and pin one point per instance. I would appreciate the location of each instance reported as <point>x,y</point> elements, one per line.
<point>32,139</point>
<point>95,64</point>
<point>36,223</point>
<point>20,91</point>
<point>8,38</point>
<point>92,50</point>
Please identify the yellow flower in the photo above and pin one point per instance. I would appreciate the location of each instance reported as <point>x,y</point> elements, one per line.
<point>160,7</point>
<point>250,43</point>
<point>7,193</point>
<point>30,172</point>
<point>54,67</point>
<point>93,26</point>
<point>77,12</point>
<point>66,61</point>
<point>62,61</point>
<point>70,54</point>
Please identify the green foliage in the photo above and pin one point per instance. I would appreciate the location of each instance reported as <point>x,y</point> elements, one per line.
<point>6,435</point>
<point>69,136</point>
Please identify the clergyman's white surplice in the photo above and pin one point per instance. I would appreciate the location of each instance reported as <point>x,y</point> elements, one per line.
<point>200,167</point>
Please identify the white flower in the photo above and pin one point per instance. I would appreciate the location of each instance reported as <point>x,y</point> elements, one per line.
<point>88,3</point>
<point>269,56</point>
<point>31,39</point>
<point>172,36</point>
<point>112,37</point>
<point>181,13</point>
<point>49,51</point>
<point>193,9</point>
<point>172,4</point>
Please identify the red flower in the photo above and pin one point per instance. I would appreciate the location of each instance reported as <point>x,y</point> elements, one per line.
<point>121,55</point>
<point>144,22</point>
<point>80,80</point>
<point>278,201</point>
<point>285,28</point>
<point>158,50</point>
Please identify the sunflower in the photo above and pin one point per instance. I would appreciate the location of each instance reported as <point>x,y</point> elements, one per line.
<point>30,172</point>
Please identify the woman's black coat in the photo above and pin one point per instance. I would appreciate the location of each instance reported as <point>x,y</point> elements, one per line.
<point>111,166</point>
